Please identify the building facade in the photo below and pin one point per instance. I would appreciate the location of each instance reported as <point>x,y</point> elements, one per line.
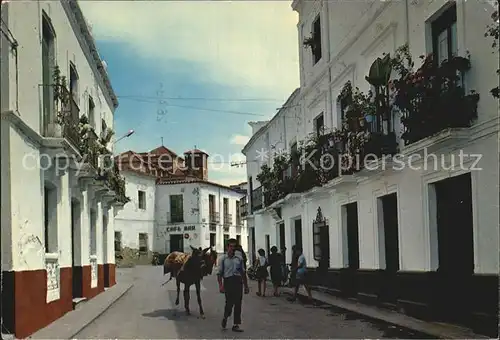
<point>174,206</point>
<point>414,226</point>
<point>58,205</point>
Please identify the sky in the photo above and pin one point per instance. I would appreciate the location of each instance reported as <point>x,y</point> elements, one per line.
<point>168,59</point>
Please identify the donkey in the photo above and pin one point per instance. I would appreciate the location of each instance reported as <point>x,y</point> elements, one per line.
<point>189,270</point>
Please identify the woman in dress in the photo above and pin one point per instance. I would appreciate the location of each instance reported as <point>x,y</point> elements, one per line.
<point>276,264</point>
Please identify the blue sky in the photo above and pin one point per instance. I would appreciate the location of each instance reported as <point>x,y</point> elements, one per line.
<point>231,50</point>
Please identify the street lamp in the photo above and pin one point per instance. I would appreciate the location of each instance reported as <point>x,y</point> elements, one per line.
<point>128,134</point>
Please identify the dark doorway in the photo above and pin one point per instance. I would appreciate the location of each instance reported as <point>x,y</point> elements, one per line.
<point>321,243</point>
<point>268,245</point>
<point>176,243</point>
<point>282,238</point>
<point>455,246</point>
<point>213,237</point>
<point>77,280</point>
<point>298,233</point>
<point>391,246</point>
<point>254,252</point>
<point>351,211</point>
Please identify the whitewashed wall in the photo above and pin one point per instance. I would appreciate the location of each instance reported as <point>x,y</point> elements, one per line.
<point>68,47</point>
<point>132,220</point>
<point>353,37</point>
<point>220,193</point>
<point>22,182</point>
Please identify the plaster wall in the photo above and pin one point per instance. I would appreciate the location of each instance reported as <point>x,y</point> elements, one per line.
<point>25,74</point>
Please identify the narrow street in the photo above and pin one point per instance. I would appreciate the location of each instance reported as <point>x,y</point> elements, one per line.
<point>148,311</point>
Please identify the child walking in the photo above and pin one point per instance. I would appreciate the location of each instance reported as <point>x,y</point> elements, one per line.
<point>262,272</point>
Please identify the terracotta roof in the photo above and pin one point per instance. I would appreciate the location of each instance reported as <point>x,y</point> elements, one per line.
<point>169,181</point>
<point>162,150</point>
<point>195,151</point>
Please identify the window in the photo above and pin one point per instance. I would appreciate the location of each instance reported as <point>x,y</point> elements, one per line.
<point>142,199</point>
<point>73,82</point>
<point>93,232</point>
<point>104,126</point>
<point>50,219</point>
<point>143,242</point>
<point>238,215</point>
<point>118,241</point>
<point>319,124</point>
<point>316,49</point>
<point>227,216</point>
<point>212,239</point>
<point>226,238</point>
<point>295,160</point>
<point>176,208</point>
<point>444,35</point>
<point>91,110</point>
<point>48,67</point>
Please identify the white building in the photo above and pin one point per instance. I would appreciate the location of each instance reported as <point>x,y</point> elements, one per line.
<point>175,207</point>
<point>134,225</point>
<point>57,220</point>
<point>423,239</point>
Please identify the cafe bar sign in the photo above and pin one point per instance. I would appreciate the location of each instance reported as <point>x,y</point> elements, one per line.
<point>177,229</point>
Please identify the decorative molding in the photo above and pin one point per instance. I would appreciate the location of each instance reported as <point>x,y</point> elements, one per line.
<point>20,125</point>
<point>351,68</point>
<point>386,32</point>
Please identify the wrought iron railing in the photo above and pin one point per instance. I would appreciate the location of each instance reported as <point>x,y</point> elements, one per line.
<point>214,217</point>
<point>227,219</point>
<point>257,199</point>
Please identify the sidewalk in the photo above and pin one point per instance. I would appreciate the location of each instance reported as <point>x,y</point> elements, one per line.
<point>443,331</point>
<point>75,321</point>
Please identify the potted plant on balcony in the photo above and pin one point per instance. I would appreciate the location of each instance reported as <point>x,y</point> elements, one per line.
<point>61,100</point>
<point>432,98</point>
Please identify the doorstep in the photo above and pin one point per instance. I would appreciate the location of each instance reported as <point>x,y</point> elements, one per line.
<point>439,330</point>
<point>72,323</point>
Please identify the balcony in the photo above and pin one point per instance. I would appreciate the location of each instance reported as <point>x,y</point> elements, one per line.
<point>176,217</point>
<point>66,117</point>
<point>433,98</point>
<point>226,229</point>
<point>257,199</point>
<point>228,218</point>
<point>213,228</point>
<point>214,217</point>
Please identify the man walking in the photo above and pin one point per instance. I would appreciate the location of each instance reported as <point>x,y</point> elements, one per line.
<point>232,279</point>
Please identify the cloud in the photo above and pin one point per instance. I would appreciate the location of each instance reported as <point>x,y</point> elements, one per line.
<point>239,140</point>
<point>242,44</point>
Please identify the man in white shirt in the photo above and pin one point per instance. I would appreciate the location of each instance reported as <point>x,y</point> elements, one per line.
<point>232,278</point>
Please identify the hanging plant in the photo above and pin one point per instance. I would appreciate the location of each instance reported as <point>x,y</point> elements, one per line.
<point>61,96</point>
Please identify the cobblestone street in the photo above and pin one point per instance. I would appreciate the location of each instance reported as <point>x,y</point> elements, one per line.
<point>148,311</point>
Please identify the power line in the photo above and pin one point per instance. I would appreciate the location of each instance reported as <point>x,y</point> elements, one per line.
<point>201,108</point>
<point>204,98</point>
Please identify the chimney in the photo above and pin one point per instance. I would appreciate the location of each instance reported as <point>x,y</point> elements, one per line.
<point>196,163</point>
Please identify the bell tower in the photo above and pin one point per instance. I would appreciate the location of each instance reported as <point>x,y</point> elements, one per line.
<point>196,163</point>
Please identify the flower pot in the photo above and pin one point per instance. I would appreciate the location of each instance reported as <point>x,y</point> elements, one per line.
<point>369,118</point>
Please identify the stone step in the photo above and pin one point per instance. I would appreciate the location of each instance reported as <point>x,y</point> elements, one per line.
<point>77,302</point>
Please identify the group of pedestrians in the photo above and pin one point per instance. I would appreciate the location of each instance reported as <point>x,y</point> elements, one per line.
<point>279,271</point>
<point>233,280</point>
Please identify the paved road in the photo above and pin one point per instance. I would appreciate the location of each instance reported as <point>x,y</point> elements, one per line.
<point>148,311</point>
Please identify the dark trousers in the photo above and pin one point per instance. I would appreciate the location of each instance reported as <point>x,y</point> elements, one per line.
<point>233,287</point>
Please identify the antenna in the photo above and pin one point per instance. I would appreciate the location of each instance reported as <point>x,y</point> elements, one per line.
<point>161,141</point>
